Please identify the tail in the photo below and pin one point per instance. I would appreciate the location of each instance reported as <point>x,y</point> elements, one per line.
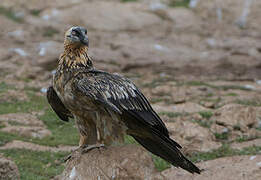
<point>167,149</point>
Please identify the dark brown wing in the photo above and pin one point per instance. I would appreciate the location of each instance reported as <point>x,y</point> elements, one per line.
<point>57,105</point>
<point>120,95</point>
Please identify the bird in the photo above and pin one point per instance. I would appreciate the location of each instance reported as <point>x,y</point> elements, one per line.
<point>107,106</point>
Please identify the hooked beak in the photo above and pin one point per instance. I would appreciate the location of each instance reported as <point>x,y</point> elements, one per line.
<point>84,40</point>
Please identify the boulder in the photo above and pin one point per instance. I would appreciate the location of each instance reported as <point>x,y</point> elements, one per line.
<point>121,162</point>
<point>236,116</point>
<point>228,168</point>
<point>192,137</point>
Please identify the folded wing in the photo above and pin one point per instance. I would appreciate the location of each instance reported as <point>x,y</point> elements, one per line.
<point>62,112</point>
<point>120,95</point>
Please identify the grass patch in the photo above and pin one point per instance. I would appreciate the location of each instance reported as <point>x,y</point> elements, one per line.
<point>231,94</point>
<point>50,32</point>
<point>222,136</point>
<point>224,151</point>
<point>221,87</point>
<point>35,103</point>
<point>4,87</point>
<point>157,100</point>
<point>62,132</point>
<point>172,114</point>
<point>158,81</point>
<point>179,3</point>
<point>253,102</point>
<point>36,165</point>
<point>129,140</point>
<point>35,12</point>
<point>128,1</point>
<point>10,14</point>
<point>203,123</point>
<point>160,163</point>
<point>245,138</point>
<point>206,114</point>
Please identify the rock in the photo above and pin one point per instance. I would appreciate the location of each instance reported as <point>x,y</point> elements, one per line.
<point>228,168</point>
<point>215,128</point>
<point>16,144</point>
<point>209,105</point>
<point>13,95</point>
<point>187,107</point>
<point>184,19</point>
<point>105,16</point>
<point>239,146</point>
<point>236,116</point>
<point>192,137</point>
<point>161,90</point>
<point>35,132</point>
<point>21,118</point>
<point>124,162</point>
<point>48,54</point>
<point>8,169</point>
<point>24,124</point>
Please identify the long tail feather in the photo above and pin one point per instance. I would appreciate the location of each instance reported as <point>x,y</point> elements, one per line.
<point>167,151</point>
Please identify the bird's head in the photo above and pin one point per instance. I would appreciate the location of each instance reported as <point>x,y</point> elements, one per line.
<point>76,37</point>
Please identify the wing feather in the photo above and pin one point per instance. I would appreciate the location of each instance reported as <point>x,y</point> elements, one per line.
<point>62,112</point>
<point>120,95</point>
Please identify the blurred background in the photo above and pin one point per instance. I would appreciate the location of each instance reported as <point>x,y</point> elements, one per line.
<point>197,61</point>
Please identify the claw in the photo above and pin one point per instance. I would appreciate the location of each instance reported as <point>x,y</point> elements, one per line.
<point>87,148</point>
<point>67,158</point>
<point>84,149</point>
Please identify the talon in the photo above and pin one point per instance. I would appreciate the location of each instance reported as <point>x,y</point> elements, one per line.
<point>70,155</point>
<point>67,158</point>
<point>87,148</point>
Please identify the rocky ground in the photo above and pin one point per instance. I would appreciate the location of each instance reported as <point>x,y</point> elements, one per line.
<point>199,66</point>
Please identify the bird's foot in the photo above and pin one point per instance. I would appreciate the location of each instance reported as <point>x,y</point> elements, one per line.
<point>84,149</point>
<point>87,148</point>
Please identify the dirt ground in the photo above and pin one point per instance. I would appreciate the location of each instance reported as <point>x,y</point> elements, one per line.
<point>199,66</point>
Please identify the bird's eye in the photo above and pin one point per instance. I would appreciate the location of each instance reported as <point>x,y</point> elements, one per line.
<point>74,33</point>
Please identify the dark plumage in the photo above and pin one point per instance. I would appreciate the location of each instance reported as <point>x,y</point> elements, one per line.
<point>106,106</point>
<point>57,105</point>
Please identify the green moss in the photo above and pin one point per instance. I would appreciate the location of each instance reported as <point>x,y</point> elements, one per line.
<point>10,14</point>
<point>222,136</point>
<point>62,132</point>
<point>218,87</point>
<point>206,114</point>
<point>129,1</point>
<point>36,165</point>
<point>35,12</point>
<point>254,102</point>
<point>156,100</point>
<point>224,151</point>
<point>172,114</point>
<point>245,138</point>
<point>203,123</point>
<point>35,103</point>
<point>129,140</point>
<point>4,87</point>
<point>231,94</point>
<point>50,32</point>
<point>179,3</point>
<point>160,163</point>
